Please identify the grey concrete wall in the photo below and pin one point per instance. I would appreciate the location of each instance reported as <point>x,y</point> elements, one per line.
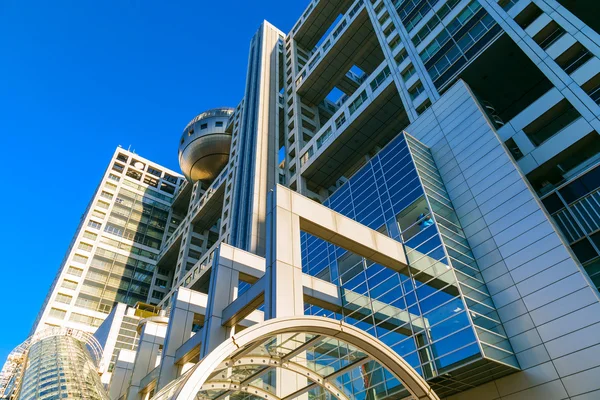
<point>257,168</point>
<point>549,309</point>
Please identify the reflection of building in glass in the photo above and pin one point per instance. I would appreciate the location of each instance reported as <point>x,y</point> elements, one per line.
<point>404,203</point>
<point>57,363</point>
<point>437,313</point>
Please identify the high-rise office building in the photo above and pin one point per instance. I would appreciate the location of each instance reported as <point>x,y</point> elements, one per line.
<point>403,205</point>
<point>113,254</point>
<point>111,260</point>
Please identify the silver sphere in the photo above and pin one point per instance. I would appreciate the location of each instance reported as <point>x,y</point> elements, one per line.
<point>204,146</point>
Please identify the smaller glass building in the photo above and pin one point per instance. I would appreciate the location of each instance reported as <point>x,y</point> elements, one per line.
<point>60,363</point>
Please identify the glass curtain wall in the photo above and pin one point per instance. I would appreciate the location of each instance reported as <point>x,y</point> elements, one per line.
<point>437,313</point>
<point>60,367</point>
<point>482,312</point>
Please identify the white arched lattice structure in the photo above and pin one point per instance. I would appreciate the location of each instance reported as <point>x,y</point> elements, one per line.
<point>302,346</point>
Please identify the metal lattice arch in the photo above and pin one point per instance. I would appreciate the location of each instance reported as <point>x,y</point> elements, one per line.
<point>297,348</point>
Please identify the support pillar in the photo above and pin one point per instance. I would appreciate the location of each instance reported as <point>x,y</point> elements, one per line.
<point>283,290</point>
<point>224,281</point>
<point>186,303</point>
<point>151,339</point>
<point>284,295</point>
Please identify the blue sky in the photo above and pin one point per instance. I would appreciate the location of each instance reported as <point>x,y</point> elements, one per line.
<point>78,78</point>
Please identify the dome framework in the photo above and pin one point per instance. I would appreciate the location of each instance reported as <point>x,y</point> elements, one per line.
<point>286,358</point>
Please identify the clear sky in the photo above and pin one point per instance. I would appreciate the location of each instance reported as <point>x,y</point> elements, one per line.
<point>78,78</point>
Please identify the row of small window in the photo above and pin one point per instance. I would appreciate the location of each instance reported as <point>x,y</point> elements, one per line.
<point>418,16</point>
<point>380,78</point>
<point>127,247</point>
<point>125,194</point>
<point>83,302</point>
<point>126,292</point>
<point>116,279</point>
<point>355,105</point>
<point>102,204</point>
<point>140,165</point>
<point>120,264</point>
<point>94,224</point>
<point>85,319</point>
<point>434,21</point>
<point>151,192</point>
<point>63,298</point>
<point>85,247</point>
<point>104,259</point>
<point>88,247</point>
<point>218,124</point>
<point>161,283</point>
<point>460,48</point>
<point>80,258</point>
<point>124,341</point>
<point>158,295</point>
<point>94,303</point>
<point>165,187</point>
<point>75,271</point>
<point>152,240</point>
<point>123,266</point>
<point>57,313</point>
<point>68,284</point>
<point>149,180</point>
<point>123,215</point>
<point>146,240</point>
<point>446,34</point>
<point>138,226</point>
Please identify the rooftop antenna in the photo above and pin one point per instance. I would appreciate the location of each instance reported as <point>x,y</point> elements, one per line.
<point>129,148</point>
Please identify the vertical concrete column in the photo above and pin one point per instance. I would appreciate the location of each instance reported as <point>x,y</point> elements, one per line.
<point>295,132</point>
<point>121,374</point>
<point>283,273</point>
<point>108,339</point>
<point>151,338</point>
<point>265,168</point>
<point>257,168</point>
<point>182,257</point>
<point>178,332</point>
<point>224,281</point>
<point>413,54</point>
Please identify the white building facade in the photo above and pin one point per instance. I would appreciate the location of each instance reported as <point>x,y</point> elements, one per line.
<point>113,254</point>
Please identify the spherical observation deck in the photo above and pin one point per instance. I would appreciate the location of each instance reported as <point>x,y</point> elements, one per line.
<point>204,145</point>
